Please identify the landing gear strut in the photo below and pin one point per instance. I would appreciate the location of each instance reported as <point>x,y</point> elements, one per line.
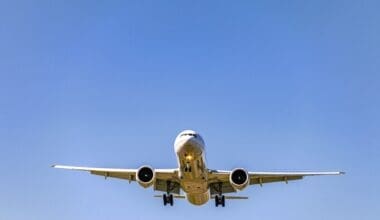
<point>188,168</point>
<point>168,199</point>
<point>220,200</point>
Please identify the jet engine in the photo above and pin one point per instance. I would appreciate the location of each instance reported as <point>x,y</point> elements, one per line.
<point>145,176</point>
<point>239,179</point>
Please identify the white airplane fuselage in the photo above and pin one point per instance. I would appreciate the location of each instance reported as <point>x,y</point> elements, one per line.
<point>190,150</point>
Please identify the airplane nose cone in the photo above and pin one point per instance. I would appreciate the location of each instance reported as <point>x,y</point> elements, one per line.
<point>190,141</point>
<point>188,144</point>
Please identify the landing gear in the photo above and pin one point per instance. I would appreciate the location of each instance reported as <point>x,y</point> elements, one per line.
<point>168,199</point>
<point>220,200</point>
<point>188,168</point>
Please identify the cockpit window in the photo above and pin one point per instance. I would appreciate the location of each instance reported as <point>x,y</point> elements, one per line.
<point>189,134</point>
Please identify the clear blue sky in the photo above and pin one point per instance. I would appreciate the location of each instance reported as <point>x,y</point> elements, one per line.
<point>271,85</point>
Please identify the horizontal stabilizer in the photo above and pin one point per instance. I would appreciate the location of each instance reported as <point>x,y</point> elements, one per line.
<point>174,196</point>
<point>233,197</point>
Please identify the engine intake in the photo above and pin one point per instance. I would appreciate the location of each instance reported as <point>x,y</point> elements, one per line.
<point>239,179</point>
<point>145,176</point>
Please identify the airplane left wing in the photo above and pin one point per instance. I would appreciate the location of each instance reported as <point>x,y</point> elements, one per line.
<point>160,183</point>
<point>128,174</point>
<point>219,179</point>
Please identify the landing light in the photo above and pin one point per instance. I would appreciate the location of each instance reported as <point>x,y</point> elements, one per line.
<point>189,157</point>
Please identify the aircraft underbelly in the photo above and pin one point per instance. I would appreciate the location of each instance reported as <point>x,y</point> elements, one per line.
<point>193,172</point>
<point>196,190</point>
<point>194,186</point>
<point>198,198</point>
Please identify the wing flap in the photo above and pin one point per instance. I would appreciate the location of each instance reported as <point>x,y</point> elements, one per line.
<point>164,186</point>
<point>225,187</point>
<point>128,176</point>
<point>272,179</point>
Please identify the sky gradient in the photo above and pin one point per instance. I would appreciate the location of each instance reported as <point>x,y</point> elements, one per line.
<point>270,85</point>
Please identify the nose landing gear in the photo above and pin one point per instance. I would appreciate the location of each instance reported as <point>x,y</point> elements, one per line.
<point>188,168</point>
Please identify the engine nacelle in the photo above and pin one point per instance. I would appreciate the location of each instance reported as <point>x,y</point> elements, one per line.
<point>239,179</point>
<point>145,176</point>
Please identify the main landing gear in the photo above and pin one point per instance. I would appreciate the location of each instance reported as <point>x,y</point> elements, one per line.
<point>220,200</point>
<point>168,199</point>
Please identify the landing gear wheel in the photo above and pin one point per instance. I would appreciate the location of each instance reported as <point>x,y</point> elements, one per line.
<point>165,198</point>
<point>220,200</point>
<point>168,199</point>
<point>171,201</point>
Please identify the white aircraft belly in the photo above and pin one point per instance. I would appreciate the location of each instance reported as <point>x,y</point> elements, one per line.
<point>193,183</point>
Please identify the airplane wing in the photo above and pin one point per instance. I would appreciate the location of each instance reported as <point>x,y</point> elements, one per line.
<point>162,175</point>
<point>269,177</point>
<point>128,174</point>
<point>219,179</point>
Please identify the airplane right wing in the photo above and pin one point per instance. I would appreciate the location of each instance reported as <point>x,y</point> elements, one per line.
<point>220,179</point>
<point>270,177</point>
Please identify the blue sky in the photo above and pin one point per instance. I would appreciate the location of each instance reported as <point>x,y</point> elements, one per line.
<point>271,85</point>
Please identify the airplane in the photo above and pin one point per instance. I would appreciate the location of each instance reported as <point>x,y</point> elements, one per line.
<point>192,176</point>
